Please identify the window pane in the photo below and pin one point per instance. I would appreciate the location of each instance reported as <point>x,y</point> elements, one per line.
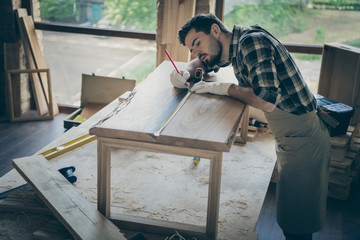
<point>297,22</point>
<point>301,22</point>
<point>114,14</point>
<point>68,56</point>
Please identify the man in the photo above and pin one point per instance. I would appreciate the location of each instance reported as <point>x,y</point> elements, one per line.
<point>268,79</point>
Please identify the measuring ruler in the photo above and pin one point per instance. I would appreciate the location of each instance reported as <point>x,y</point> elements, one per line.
<point>183,101</point>
<point>68,146</point>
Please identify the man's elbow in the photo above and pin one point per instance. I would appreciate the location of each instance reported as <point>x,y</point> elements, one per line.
<point>268,107</point>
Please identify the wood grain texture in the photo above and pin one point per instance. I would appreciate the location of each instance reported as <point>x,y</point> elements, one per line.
<point>204,122</point>
<point>78,215</point>
<point>39,60</point>
<point>39,95</point>
<point>171,16</point>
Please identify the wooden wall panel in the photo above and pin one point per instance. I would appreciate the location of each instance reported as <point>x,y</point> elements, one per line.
<point>171,16</point>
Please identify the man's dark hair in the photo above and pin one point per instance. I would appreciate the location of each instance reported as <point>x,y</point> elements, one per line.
<point>201,22</point>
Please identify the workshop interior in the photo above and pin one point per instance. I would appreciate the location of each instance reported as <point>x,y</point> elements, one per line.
<point>97,143</point>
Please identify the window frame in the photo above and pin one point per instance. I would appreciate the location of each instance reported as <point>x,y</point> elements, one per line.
<point>147,35</point>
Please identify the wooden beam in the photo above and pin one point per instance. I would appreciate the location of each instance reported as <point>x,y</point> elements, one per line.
<point>38,57</point>
<point>77,214</point>
<point>171,16</point>
<point>306,49</point>
<point>146,35</point>
<point>39,95</point>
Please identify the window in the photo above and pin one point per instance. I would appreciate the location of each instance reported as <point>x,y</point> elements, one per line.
<point>101,50</point>
<point>301,22</point>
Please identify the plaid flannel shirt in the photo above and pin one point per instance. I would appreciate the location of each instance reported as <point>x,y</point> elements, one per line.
<point>260,61</point>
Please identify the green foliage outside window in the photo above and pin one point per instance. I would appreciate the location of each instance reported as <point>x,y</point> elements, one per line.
<point>59,10</point>
<point>278,17</point>
<point>131,14</point>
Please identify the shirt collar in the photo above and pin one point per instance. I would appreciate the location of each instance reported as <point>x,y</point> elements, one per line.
<point>236,34</point>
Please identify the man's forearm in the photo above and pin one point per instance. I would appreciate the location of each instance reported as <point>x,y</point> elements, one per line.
<point>247,96</point>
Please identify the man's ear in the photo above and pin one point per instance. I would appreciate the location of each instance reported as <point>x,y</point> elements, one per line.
<point>215,30</point>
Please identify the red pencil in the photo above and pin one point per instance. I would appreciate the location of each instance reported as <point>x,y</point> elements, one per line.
<point>186,84</point>
<point>172,61</point>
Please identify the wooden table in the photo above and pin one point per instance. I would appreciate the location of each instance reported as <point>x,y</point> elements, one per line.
<point>157,117</point>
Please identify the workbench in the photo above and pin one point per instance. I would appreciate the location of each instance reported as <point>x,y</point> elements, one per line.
<point>204,126</point>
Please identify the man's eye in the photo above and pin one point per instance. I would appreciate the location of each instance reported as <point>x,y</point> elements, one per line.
<point>198,43</point>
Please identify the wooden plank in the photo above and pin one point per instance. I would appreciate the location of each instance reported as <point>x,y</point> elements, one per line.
<point>155,99</point>
<point>30,71</point>
<point>192,123</point>
<point>78,215</point>
<point>38,57</point>
<point>38,91</point>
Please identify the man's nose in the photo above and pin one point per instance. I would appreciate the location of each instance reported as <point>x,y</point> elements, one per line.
<point>196,52</point>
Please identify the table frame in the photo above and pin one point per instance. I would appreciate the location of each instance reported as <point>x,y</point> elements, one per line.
<point>150,225</point>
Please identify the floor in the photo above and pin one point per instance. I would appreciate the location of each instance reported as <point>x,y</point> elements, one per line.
<point>23,139</point>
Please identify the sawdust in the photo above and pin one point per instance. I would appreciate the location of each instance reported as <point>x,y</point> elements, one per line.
<point>153,155</point>
<point>236,203</point>
<point>203,179</point>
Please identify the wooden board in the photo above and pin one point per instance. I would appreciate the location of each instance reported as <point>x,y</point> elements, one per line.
<point>38,57</point>
<point>78,215</point>
<point>205,121</point>
<point>340,76</point>
<point>38,91</point>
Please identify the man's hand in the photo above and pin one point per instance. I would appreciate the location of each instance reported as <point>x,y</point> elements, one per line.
<point>211,87</point>
<point>178,80</point>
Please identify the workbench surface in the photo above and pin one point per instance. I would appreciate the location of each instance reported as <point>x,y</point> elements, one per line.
<point>203,121</point>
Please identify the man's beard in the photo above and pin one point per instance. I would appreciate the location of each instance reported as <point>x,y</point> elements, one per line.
<point>217,49</point>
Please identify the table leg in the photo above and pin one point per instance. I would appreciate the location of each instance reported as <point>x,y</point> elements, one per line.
<point>244,125</point>
<point>214,196</point>
<point>103,177</point>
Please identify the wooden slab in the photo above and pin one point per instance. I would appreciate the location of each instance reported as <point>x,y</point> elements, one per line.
<point>36,85</point>
<point>205,121</point>
<point>38,57</point>
<point>78,215</point>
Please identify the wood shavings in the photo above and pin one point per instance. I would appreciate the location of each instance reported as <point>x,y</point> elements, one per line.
<point>243,231</point>
<point>153,155</point>
<point>204,179</point>
<point>239,203</point>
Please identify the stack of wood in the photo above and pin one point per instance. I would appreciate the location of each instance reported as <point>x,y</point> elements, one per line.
<point>345,163</point>
<point>36,69</point>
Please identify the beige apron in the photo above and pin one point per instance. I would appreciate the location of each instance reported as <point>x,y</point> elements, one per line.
<point>303,158</point>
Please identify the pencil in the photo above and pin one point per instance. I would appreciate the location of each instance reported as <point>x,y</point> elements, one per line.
<point>186,84</point>
<point>172,61</point>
